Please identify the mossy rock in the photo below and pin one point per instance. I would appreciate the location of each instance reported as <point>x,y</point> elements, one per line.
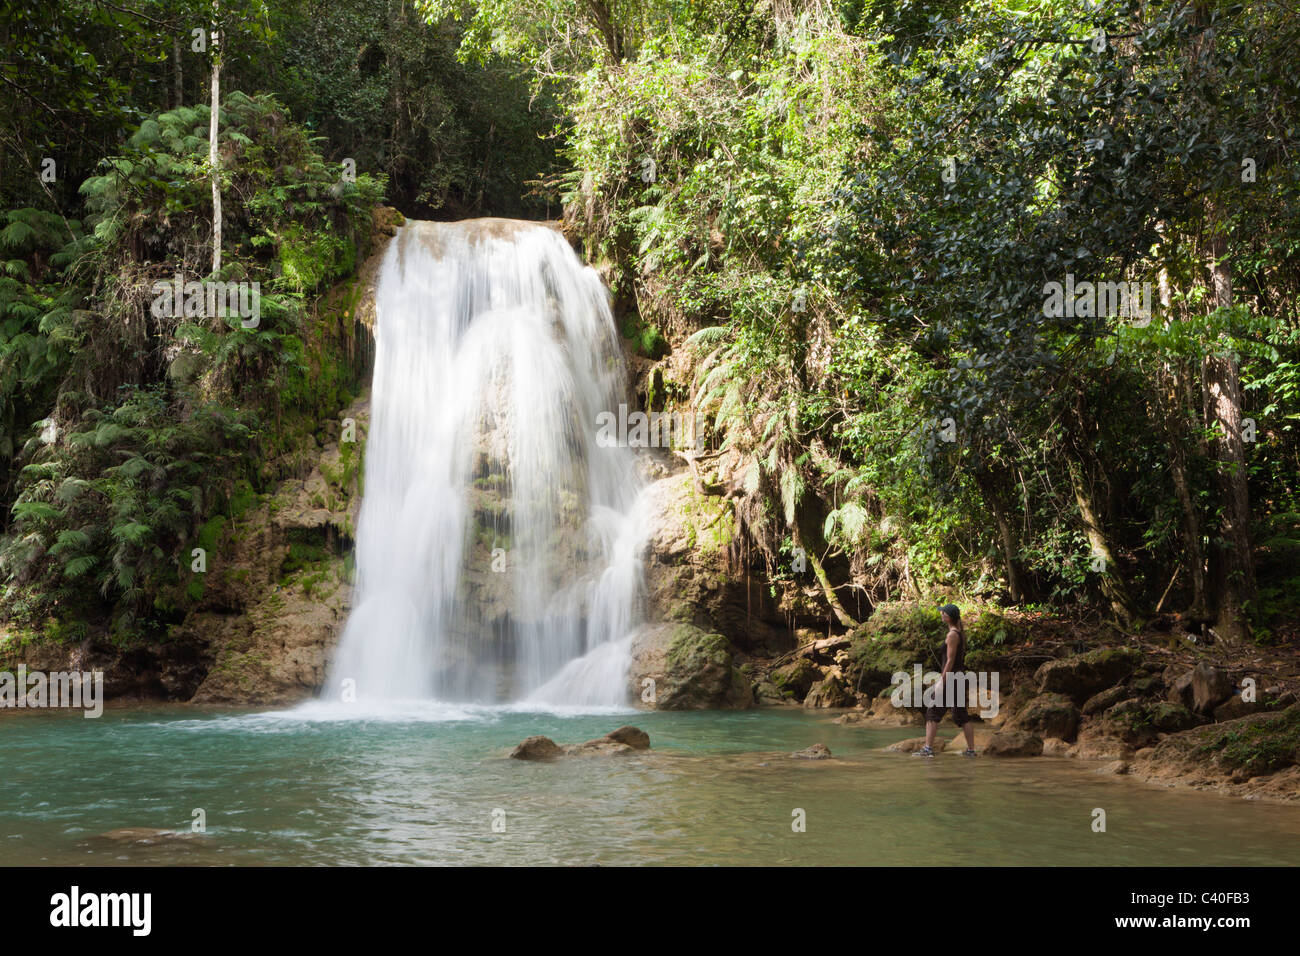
<point>1083,675</point>
<point>796,678</point>
<point>1255,745</point>
<point>1140,722</point>
<point>990,631</point>
<point>1050,715</point>
<point>892,640</point>
<point>691,669</point>
<point>1148,686</point>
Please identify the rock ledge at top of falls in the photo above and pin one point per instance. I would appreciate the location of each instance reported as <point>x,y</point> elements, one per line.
<point>621,741</point>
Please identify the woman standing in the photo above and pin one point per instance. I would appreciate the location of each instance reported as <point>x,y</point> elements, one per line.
<point>953,654</point>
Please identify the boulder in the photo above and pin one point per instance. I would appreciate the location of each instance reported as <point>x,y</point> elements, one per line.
<point>1084,675</point>
<point>815,752</point>
<point>830,692</point>
<point>1049,715</point>
<point>1235,707</point>
<point>1148,686</point>
<point>1236,751</point>
<point>1014,743</point>
<point>634,737</point>
<point>1210,688</point>
<point>1141,722</point>
<point>767,693</point>
<point>1055,747</point>
<point>796,678</point>
<point>1104,701</point>
<point>537,748</point>
<point>1098,745</point>
<point>884,712</point>
<point>691,669</point>
<point>896,636</point>
<point>1180,691</point>
<point>620,741</point>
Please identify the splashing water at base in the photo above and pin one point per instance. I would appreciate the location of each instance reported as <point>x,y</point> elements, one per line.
<point>498,546</point>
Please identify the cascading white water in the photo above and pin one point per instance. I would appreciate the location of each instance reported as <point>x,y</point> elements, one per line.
<point>498,546</point>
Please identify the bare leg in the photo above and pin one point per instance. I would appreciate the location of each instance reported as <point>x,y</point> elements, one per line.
<point>931,727</point>
<point>969,730</point>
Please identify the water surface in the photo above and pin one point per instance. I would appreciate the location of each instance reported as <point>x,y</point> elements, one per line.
<point>317,786</point>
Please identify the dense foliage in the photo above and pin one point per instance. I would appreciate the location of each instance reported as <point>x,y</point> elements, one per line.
<point>832,229</point>
<point>131,433</point>
<point>854,210</point>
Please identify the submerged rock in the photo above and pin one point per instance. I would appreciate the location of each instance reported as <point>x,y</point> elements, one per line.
<point>634,737</point>
<point>913,744</point>
<point>815,752</point>
<point>143,836</point>
<point>623,740</point>
<point>537,748</point>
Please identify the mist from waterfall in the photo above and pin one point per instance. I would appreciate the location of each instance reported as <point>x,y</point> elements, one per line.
<point>498,544</point>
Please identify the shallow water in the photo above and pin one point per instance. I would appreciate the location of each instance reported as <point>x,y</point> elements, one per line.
<point>421,785</point>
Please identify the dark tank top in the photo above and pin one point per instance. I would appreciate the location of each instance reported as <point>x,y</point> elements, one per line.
<point>960,662</point>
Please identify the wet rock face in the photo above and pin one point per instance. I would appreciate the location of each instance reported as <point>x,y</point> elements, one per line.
<point>689,577</point>
<point>690,669</point>
<point>169,671</point>
<point>278,592</point>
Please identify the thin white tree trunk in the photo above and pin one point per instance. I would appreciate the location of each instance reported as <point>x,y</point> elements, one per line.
<point>213,160</point>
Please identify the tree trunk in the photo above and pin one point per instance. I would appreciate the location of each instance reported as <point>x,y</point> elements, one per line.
<point>213,159</point>
<point>1171,392</point>
<point>178,73</point>
<point>1006,536</point>
<point>1198,612</point>
<point>1112,582</point>
<point>1232,566</point>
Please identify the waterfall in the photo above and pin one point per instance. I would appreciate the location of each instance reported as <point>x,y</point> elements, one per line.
<point>498,542</point>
